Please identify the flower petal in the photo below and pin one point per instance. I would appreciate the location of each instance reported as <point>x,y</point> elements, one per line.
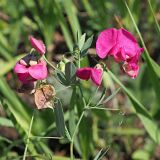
<point>39,71</point>
<point>129,44</point>
<point>83,73</point>
<point>131,69</point>
<point>96,76</point>
<point>25,78</point>
<point>105,42</point>
<point>37,44</point>
<point>19,68</point>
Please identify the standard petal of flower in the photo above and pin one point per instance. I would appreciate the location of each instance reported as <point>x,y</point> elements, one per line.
<point>37,44</point>
<point>129,44</point>
<point>131,69</point>
<point>19,68</point>
<point>39,71</point>
<point>84,73</point>
<point>96,76</point>
<point>105,42</point>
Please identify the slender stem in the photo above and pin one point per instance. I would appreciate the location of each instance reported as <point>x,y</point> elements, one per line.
<point>79,61</point>
<point>32,50</point>
<point>28,137</point>
<point>74,134</point>
<point>90,100</point>
<point>79,85</point>
<point>100,101</point>
<point>101,108</point>
<point>41,137</point>
<point>49,63</point>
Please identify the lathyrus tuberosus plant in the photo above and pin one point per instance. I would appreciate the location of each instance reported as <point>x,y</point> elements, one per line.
<point>32,71</point>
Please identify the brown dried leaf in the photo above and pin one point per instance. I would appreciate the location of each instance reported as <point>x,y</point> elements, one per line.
<point>44,96</point>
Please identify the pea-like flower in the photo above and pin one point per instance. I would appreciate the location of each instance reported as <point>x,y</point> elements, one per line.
<point>28,69</point>
<point>131,69</point>
<point>122,45</point>
<point>38,45</point>
<point>86,73</point>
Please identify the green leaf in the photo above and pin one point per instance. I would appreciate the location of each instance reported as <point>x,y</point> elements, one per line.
<point>148,59</point>
<point>141,112</point>
<point>156,67</point>
<point>7,66</point>
<point>20,113</point>
<point>59,118</point>
<point>63,24</point>
<point>70,72</point>
<point>6,122</point>
<point>101,154</point>
<point>82,41</point>
<point>155,19</point>
<point>86,46</point>
<point>141,155</point>
<point>98,155</point>
<point>72,15</point>
<point>61,78</point>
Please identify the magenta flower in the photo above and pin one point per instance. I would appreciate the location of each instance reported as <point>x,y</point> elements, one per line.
<point>30,73</point>
<point>131,69</point>
<point>118,43</point>
<point>122,45</point>
<point>86,73</point>
<point>38,45</point>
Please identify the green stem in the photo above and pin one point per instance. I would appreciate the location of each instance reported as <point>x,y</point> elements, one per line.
<point>41,137</point>
<point>49,63</point>
<point>79,85</point>
<point>28,137</point>
<point>90,100</point>
<point>79,60</point>
<point>74,134</point>
<point>101,108</point>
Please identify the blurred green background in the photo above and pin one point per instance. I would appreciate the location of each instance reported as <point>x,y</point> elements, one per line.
<point>57,22</point>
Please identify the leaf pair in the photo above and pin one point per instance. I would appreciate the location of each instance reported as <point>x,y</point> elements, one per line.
<point>69,77</point>
<point>84,44</point>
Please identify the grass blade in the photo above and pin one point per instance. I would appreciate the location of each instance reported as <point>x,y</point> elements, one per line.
<point>141,111</point>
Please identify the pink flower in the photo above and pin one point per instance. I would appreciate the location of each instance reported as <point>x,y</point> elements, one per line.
<point>38,45</point>
<point>131,69</point>
<point>86,73</point>
<point>122,45</point>
<point>118,43</point>
<point>28,73</point>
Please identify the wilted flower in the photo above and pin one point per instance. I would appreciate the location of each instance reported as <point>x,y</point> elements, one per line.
<point>38,45</point>
<point>120,44</point>
<point>86,73</point>
<point>28,69</point>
